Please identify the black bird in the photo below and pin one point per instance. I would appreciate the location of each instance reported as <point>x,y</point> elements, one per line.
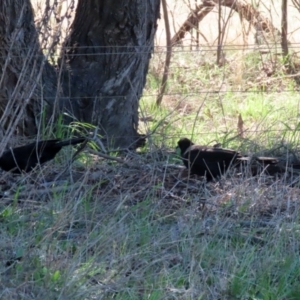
<point>25,158</point>
<point>211,162</point>
<point>207,161</point>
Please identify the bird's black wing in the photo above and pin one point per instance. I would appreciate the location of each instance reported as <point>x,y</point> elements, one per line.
<point>209,161</point>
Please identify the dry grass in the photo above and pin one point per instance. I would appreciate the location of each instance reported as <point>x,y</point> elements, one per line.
<point>144,230</point>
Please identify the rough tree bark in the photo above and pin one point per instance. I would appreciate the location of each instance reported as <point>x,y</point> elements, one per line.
<point>23,66</point>
<point>101,72</point>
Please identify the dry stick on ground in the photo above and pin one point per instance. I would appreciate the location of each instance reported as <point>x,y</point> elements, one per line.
<point>114,158</point>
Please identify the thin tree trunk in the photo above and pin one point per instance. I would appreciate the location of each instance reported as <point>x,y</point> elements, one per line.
<point>220,34</point>
<point>168,55</point>
<point>284,29</point>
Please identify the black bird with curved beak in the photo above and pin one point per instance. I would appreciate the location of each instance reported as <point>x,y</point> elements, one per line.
<point>206,161</point>
<point>25,158</point>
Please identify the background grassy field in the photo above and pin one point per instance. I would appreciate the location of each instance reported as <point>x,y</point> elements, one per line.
<point>144,229</point>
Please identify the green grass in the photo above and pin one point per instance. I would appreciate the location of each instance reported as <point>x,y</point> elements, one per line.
<point>203,101</point>
<point>109,231</point>
<point>99,242</point>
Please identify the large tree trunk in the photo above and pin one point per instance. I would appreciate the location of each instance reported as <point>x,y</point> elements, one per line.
<point>108,54</point>
<point>23,69</point>
<point>102,69</point>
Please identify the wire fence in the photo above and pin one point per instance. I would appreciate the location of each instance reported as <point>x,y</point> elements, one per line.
<point>222,79</point>
<point>200,92</point>
<point>250,96</point>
